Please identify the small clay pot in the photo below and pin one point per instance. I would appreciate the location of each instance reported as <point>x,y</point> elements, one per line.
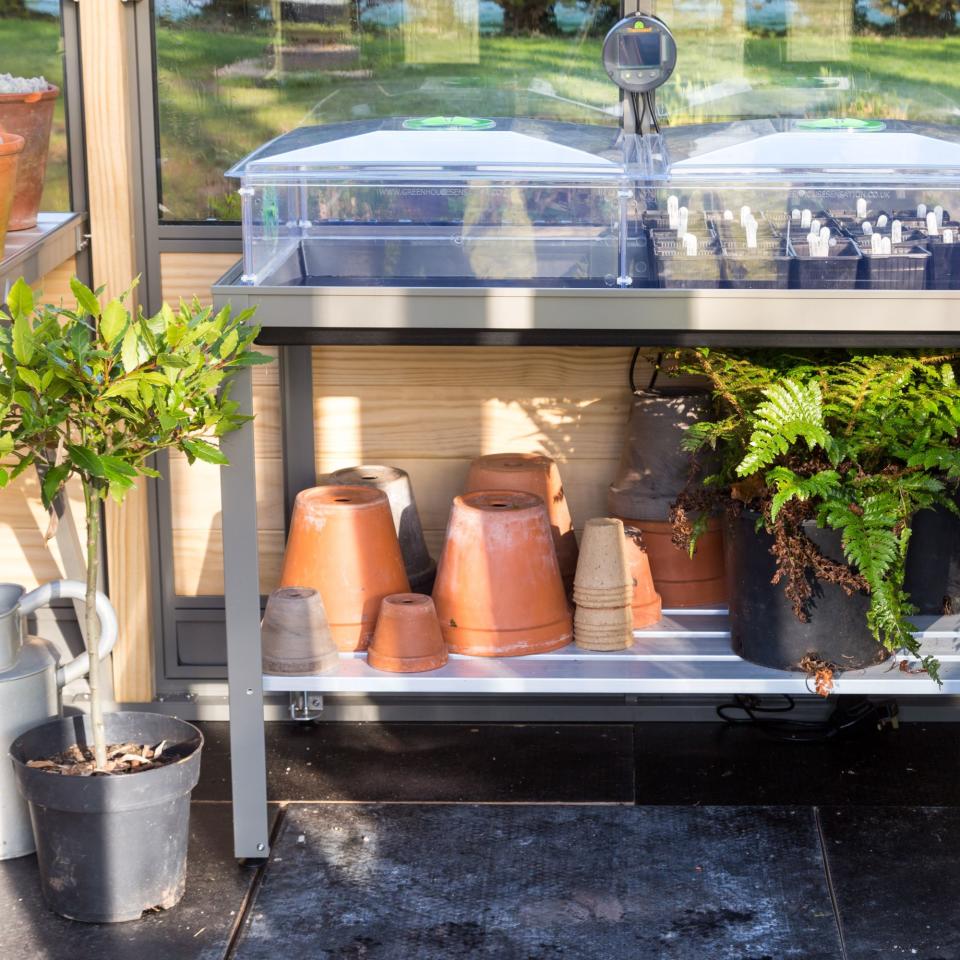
<point>295,634</point>
<point>537,474</point>
<point>646,603</point>
<point>29,115</point>
<point>343,544</point>
<point>681,580</point>
<point>498,591</point>
<point>11,149</point>
<point>395,483</point>
<point>408,638</point>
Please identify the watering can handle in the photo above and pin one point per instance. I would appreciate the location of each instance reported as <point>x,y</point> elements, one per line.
<point>75,590</point>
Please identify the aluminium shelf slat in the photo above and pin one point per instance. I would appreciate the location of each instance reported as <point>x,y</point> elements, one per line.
<point>686,652</point>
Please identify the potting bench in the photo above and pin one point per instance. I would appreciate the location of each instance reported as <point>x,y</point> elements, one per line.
<point>688,652</point>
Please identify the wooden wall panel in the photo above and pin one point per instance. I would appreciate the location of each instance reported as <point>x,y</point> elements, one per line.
<point>26,557</point>
<point>428,410</point>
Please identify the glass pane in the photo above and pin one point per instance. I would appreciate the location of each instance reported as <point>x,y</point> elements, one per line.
<point>233,74</point>
<point>31,45</point>
<point>886,59</point>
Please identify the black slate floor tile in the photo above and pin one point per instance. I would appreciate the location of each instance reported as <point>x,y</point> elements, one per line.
<point>895,874</point>
<point>688,763</point>
<point>480,763</point>
<point>198,928</point>
<point>438,882</point>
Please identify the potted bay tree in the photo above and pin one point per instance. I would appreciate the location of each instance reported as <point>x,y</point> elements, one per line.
<point>92,393</point>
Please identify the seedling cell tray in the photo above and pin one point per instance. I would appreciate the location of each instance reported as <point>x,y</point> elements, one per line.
<point>836,271</point>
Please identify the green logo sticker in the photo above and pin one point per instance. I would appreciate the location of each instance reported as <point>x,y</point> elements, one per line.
<point>448,123</point>
<point>842,123</point>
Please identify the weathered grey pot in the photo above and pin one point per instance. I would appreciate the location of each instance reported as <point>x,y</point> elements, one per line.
<point>296,635</point>
<point>395,483</point>
<point>654,468</point>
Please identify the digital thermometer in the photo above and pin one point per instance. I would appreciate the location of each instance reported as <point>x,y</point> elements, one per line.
<point>639,53</point>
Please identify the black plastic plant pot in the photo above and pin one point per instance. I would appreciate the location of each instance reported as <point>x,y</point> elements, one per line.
<point>765,268</point>
<point>110,847</point>
<point>943,267</point>
<point>678,270</point>
<point>763,626</point>
<point>904,269</point>
<point>932,575</point>
<point>836,271</point>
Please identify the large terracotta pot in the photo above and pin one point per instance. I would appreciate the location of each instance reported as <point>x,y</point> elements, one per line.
<point>29,115</point>
<point>536,474</point>
<point>498,591</point>
<point>681,580</point>
<point>343,544</point>
<point>408,638</point>
<point>395,483</point>
<point>11,148</point>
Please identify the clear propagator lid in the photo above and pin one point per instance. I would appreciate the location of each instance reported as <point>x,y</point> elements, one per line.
<point>438,148</point>
<point>820,150</point>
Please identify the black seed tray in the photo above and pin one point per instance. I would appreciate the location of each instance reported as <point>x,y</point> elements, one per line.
<point>837,271</point>
<point>943,267</point>
<point>904,269</point>
<point>765,268</point>
<point>678,270</point>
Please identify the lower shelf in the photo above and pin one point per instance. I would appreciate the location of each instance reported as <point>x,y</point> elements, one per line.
<point>687,652</point>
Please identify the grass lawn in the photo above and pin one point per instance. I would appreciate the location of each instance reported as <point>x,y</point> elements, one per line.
<point>221,95</point>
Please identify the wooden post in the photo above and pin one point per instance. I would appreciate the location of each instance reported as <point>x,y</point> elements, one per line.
<point>109,95</point>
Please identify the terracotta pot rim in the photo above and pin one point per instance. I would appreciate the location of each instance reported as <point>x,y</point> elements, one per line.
<point>346,496</point>
<point>382,471</point>
<point>51,93</point>
<point>386,664</point>
<point>11,144</point>
<point>409,599</point>
<point>499,501</point>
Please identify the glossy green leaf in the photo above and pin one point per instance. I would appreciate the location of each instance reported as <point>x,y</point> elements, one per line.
<point>85,297</point>
<point>113,321</point>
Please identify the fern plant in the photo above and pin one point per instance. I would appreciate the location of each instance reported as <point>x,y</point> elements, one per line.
<point>857,442</point>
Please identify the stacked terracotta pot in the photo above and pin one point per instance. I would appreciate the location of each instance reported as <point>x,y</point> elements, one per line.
<point>537,474</point>
<point>603,588</point>
<point>654,469</point>
<point>11,149</point>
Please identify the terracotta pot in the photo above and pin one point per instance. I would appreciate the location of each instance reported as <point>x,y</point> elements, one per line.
<point>29,115</point>
<point>654,468</point>
<point>536,474</point>
<point>408,638</point>
<point>646,603</point>
<point>498,591</point>
<point>395,483</point>
<point>682,580</point>
<point>343,544</point>
<point>295,634</point>
<point>11,149</point>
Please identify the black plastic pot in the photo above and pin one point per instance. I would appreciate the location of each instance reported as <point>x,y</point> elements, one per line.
<point>765,268</point>
<point>932,575</point>
<point>904,269</point>
<point>836,271</point>
<point>653,465</point>
<point>110,847</point>
<point>763,627</point>
<point>943,271</point>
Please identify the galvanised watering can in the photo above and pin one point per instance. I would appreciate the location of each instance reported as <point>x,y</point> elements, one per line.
<point>31,679</point>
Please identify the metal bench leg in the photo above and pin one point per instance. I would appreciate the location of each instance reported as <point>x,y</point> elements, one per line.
<point>241,581</point>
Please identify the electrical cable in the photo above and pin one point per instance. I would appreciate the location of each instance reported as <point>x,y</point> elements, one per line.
<point>648,102</point>
<point>631,375</point>
<point>844,716</point>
